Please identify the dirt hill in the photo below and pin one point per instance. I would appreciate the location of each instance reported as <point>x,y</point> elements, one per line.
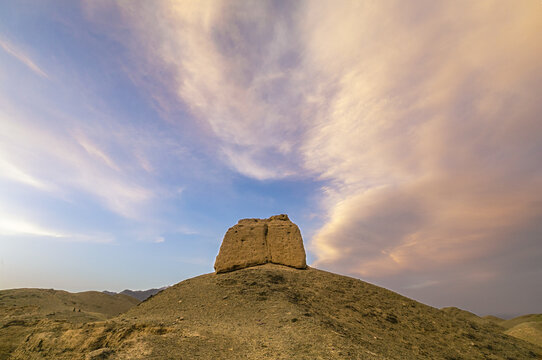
<point>22,311</point>
<point>526,327</point>
<point>276,312</point>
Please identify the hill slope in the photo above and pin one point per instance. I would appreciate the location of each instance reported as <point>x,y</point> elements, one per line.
<point>526,327</point>
<point>24,310</point>
<point>275,312</point>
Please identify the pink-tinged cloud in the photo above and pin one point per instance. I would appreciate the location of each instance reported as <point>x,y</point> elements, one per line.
<point>431,138</point>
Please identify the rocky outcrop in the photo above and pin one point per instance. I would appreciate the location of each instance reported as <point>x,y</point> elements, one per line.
<point>258,241</point>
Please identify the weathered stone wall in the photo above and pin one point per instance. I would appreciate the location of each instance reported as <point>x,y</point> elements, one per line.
<point>259,241</point>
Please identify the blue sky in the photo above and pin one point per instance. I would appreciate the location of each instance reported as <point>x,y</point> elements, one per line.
<point>404,140</point>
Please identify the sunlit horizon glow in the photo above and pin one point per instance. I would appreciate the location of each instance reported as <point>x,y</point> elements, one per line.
<point>404,138</point>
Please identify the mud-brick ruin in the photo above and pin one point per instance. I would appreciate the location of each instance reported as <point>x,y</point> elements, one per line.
<point>253,242</point>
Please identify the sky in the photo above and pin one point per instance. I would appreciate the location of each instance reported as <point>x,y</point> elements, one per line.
<point>404,138</point>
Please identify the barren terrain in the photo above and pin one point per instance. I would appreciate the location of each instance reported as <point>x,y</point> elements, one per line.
<point>276,312</point>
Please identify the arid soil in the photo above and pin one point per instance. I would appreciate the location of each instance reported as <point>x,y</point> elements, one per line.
<point>25,311</point>
<point>276,312</point>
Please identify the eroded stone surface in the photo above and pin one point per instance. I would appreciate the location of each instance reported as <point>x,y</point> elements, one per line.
<point>258,241</point>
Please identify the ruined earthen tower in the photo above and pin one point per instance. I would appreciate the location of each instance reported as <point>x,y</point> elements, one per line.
<point>259,241</point>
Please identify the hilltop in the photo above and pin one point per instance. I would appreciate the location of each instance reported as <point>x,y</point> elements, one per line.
<point>277,312</point>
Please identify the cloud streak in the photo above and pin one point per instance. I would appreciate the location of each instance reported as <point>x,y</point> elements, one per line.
<point>93,150</point>
<point>12,172</point>
<point>20,227</point>
<point>83,164</point>
<point>11,226</point>
<point>10,49</point>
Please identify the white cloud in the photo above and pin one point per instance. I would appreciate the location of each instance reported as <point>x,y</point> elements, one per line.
<point>159,240</point>
<point>12,172</point>
<point>11,226</point>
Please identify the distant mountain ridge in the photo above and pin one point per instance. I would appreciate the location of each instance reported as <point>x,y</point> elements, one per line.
<point>140,295</point>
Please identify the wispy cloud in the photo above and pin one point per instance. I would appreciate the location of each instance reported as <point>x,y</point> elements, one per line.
<point>19,55</point>
<point>12,172</point>
<point>93,150</point>
<point>423,284</point>
<point>422,119</point>
<point>12,226</point>
<point>83,165</point>
<point>244,99</point>
<point>159,239</point>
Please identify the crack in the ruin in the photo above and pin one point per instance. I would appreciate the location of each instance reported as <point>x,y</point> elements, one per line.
<point>268,250</point>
